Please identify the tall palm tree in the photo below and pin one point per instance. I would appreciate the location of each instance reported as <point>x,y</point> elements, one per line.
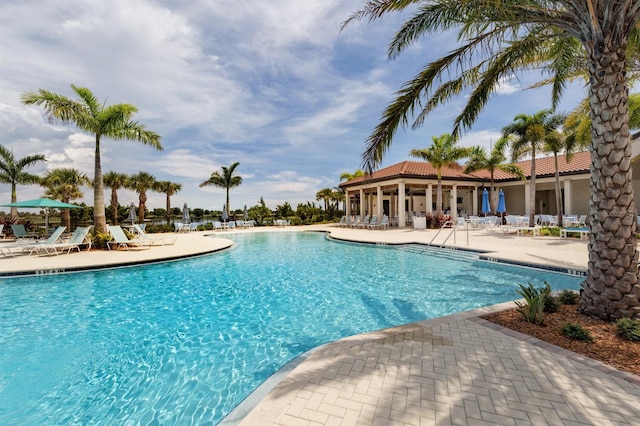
<point>555,143</point>
<point>527,134</point>
<point>501,38</point>
<point>141,182</point>
<point>64,185</point>
<point>348,176</point>
<point>443,152</point>
<point>12,172</point>
<point>115,181</point>
<point>324,195</point>
<point>169,189</point>
<point>480,160</point>
<point>94,117</point>
<point>225,180</point>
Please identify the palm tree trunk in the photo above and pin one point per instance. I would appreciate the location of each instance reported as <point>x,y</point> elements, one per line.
<point>611,289</point>
<point>66,215</point>
<point>99,217</point>
<point>532,188</point>
<point>558,193</point>
<point>168,209</point>
<point>142,205</point>
<point>14,198</point>
<point>114,206</point>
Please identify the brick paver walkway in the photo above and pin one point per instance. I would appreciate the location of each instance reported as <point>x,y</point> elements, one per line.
<point>457,370</point>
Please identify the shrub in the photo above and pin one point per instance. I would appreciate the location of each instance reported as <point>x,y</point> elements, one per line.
<point>568,297</point>
<point>551,304</point>
<point>629,329</point>
<point>533,308</point>
<point>100,240</point>
<point>576,332</point>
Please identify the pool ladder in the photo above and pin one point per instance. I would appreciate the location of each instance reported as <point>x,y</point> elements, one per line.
<point>452,226</point>
<point>449,253</point>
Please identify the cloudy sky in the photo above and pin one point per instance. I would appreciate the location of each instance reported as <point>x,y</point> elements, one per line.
<point>271,84</point>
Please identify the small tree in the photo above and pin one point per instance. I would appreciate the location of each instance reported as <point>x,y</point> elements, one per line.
<point>12,172</point>
<point>140,183</point>
<point>169,189</point>
<point>115,181</point>
<point>64,185</point>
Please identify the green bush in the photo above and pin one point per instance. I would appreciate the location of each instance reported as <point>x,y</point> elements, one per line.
<point>576,332</point>
<point>100,240</point>
<point>533,308</point>
<point>629,329</point>
<point>568,297</point>
<point>551,304</point>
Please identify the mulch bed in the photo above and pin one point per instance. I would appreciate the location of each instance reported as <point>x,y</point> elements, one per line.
<point>607,346</point>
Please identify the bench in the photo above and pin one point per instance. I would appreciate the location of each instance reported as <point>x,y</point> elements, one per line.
<point>583,232</point>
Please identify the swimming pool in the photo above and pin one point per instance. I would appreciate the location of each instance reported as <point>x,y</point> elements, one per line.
<point>185,342</point>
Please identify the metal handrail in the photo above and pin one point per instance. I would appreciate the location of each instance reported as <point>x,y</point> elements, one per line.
<point>452,225</point>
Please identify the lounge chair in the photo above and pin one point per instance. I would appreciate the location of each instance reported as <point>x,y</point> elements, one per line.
<point>19,231</point>
<point>217,226</point>
<point>160,240</point>
<point>366,224</point>
<point>120,240</point>
<point>382,224</point>
<point>47,246</point>
<point>77,239</point>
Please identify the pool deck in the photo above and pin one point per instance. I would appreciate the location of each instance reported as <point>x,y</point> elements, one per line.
<point>452,370</point>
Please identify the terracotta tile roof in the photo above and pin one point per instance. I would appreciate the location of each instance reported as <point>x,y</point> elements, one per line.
<point>580,163</point>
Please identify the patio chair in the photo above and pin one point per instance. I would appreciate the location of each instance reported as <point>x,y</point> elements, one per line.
<point>77,239</point>
<point>19,231</point>
<point>217,226</point>
<point>120,240</point>
<point>46,246</point>
<point>366,224</point>
<point>382,224</point>
<point>193,226</point>
<point>153,240</point>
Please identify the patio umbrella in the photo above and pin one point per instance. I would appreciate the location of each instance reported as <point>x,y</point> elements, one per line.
<point>132,213</point>
<point>245,215</point>
<point>186,218</point>
<point>502,206</point>
<point>42,203</point>
<point>485,202</point>
<point>225,216</point>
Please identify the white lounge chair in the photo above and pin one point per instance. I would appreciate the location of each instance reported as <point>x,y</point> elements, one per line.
<point>120,240</point>
<point>382,224</point>
<point>160,240</point>
<point>47,246</point>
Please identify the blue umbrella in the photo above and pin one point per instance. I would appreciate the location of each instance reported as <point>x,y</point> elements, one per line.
<point>502,206</point>
<point>485,202</point>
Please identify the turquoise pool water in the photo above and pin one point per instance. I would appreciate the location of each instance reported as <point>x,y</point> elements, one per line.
<point>185,342</point>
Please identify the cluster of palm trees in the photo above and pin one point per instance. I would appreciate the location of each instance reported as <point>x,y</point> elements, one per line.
<point>597,41</point>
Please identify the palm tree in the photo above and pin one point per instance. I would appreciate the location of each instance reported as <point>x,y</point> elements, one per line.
<point>348,176</point>
<point>141,182</point>
<point>169,189</point>
<point>225,180</point>
<point>556,142</point>
<point>324,195</point>
<point>12,172</point>
<point>443,152</point>
<point>527,134</point>
<point>115,181</point>
<point>501,38</point>
<point>479,160</point>
<point>93,117</point>
<point>64,185</point>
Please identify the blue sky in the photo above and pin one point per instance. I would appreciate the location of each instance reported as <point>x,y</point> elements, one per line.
<point>272,84</point>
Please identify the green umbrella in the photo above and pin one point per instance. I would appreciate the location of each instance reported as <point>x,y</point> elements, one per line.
<point>42,203</point>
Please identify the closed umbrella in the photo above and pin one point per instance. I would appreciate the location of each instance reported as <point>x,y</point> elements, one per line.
<point>186,218</point>
<point>42,203</point>
<point>502,205</point>
<point>132,214</point>
<point>485,202</point>
<point>245,215</point>
<point>225,216</point>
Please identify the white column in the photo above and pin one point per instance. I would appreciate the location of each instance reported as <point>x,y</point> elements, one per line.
<point>402,219</point>
<point>454,202</point>
<point>347,203</point>
<point>429,199</point>
<point>568,207</point>
<point>362,202</point>
<point>474,202</point>
<point>379,201</point>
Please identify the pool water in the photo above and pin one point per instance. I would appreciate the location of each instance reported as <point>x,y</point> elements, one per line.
<point>185,342</point>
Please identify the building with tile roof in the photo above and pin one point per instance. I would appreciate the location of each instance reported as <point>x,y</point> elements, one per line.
<point>413,184</point>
